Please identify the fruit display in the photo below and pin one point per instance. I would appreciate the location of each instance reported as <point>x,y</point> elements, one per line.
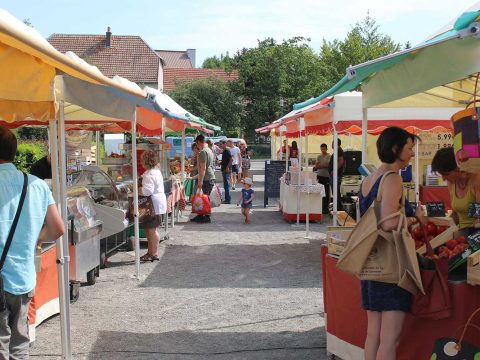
<point>432,231</point>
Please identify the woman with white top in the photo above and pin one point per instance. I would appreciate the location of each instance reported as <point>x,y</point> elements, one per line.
<point>152,185</point>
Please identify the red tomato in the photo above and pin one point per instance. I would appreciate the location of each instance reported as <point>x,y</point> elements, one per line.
<point>417,233</point>
<point>461,239</point>
<point>451,244</point>
<point>431,228</point>
<point>441,229</point>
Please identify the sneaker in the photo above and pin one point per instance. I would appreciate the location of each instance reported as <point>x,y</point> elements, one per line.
<point>196,218</point>
<point>225,202</point>
<point>233,187</point>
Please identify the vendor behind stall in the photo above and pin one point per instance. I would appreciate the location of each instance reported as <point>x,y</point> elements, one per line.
<point>464,187</point>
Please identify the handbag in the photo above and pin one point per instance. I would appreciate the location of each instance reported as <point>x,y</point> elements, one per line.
<point>146,210</point>
<point>374,254</point>
<point>435,304</point>
<point>201,204</point>
<point>3,300</point>
<point>215,197</point>
<point>449,348</point>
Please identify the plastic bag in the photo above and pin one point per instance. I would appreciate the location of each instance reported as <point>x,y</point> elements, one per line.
<point>215,197</point>
<point>201,204</point>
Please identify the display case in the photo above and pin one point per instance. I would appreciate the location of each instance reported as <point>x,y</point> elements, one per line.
<point>111,206</point>
<point>84,230</point>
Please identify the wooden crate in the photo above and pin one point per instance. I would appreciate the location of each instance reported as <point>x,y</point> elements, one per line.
<point>473,268</point>
<point>444,236</point>
<point>337,238</point>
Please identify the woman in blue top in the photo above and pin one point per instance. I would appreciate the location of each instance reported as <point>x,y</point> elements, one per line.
<point>386,304</point>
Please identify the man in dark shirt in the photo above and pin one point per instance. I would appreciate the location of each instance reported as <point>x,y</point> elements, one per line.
<point>42,168</point>
<point>341,163</point>
<point>227,161</point>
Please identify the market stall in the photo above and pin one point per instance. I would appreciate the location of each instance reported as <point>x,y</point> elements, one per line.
<point>342,114</point>
<point>346,338</point>
<point>441,72</point>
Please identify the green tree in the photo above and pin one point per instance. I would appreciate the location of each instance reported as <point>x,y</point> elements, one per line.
<point>223,62</point>
<point>211,99</point>
<point>273,76</point>
<point>364,42</point>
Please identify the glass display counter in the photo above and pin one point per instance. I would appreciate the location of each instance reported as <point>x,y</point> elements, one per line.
<point>84,231</point>
<point>111,206</point>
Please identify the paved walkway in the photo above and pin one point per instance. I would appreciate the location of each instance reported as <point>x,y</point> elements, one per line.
<point>223,290</point>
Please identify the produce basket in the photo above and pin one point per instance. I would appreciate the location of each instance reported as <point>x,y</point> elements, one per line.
<point>337,238</point>
<point>473,268</point>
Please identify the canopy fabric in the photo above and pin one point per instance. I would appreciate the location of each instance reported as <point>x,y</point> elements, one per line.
<point>166,102</point>
<point>436,73</point>
<point>345,111</point>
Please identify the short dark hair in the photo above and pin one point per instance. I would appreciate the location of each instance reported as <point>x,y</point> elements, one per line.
<point>8,144</point>
<point>444,161</point>
<point>324,145</point>
<point>390,143</point>
<point>200,138</point>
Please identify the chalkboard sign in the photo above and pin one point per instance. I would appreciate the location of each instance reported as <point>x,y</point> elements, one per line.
<point>274,169</point>
<point>474,210</point>
<point>435,209</point>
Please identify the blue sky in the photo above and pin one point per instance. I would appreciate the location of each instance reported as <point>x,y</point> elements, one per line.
<point>217,26</point>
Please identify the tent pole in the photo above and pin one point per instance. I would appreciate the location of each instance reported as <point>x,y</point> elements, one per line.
<point>335,173</point>
<point>63,258</point>
<point>364,134</point>
<point>281,144</point>
<point>182,163</point>
<point>306,149</point>
<point>417,173</point>
<point>53,144</point>
<point>299,158</point>
<point>135,195</point>
<point>97,148</point>
<point>273,144</point>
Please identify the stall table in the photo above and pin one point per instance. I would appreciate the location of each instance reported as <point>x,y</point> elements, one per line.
<point>435,193</point>
<point>311,197</point>
<point>346,322</point>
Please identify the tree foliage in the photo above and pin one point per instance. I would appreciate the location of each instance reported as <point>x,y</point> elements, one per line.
<point>363,43</point>
<point>211,99</point>
<point>223,62</point>
<point>274,76</point>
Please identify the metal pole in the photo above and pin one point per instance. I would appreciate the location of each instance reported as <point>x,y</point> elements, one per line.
<point>63,258</point>
<point>335,173</point>
<point>281,144</point>
<point>53,142</point>
<point>306,150</point>
<point>98,162</point>
<point>417,173</point>
<point>364,134</point>
<point>135,195</point>
<point>182,163</point>
<point>299,154</point>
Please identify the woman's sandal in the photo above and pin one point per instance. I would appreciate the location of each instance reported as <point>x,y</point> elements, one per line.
<point>148,257</point>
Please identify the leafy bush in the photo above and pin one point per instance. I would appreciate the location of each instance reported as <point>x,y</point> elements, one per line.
<point>27,154</point>
<point>259,151</point>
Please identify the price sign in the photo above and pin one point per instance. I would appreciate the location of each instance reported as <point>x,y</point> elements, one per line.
<point>435,209</point>
<point>432,141</point>
<point>474,210</point>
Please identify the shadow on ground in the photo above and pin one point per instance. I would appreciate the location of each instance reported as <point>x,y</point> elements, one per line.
<point>210,345</point>
<point>239,266</point>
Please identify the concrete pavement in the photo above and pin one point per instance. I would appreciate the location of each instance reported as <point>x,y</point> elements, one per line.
<point>223,290</point>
